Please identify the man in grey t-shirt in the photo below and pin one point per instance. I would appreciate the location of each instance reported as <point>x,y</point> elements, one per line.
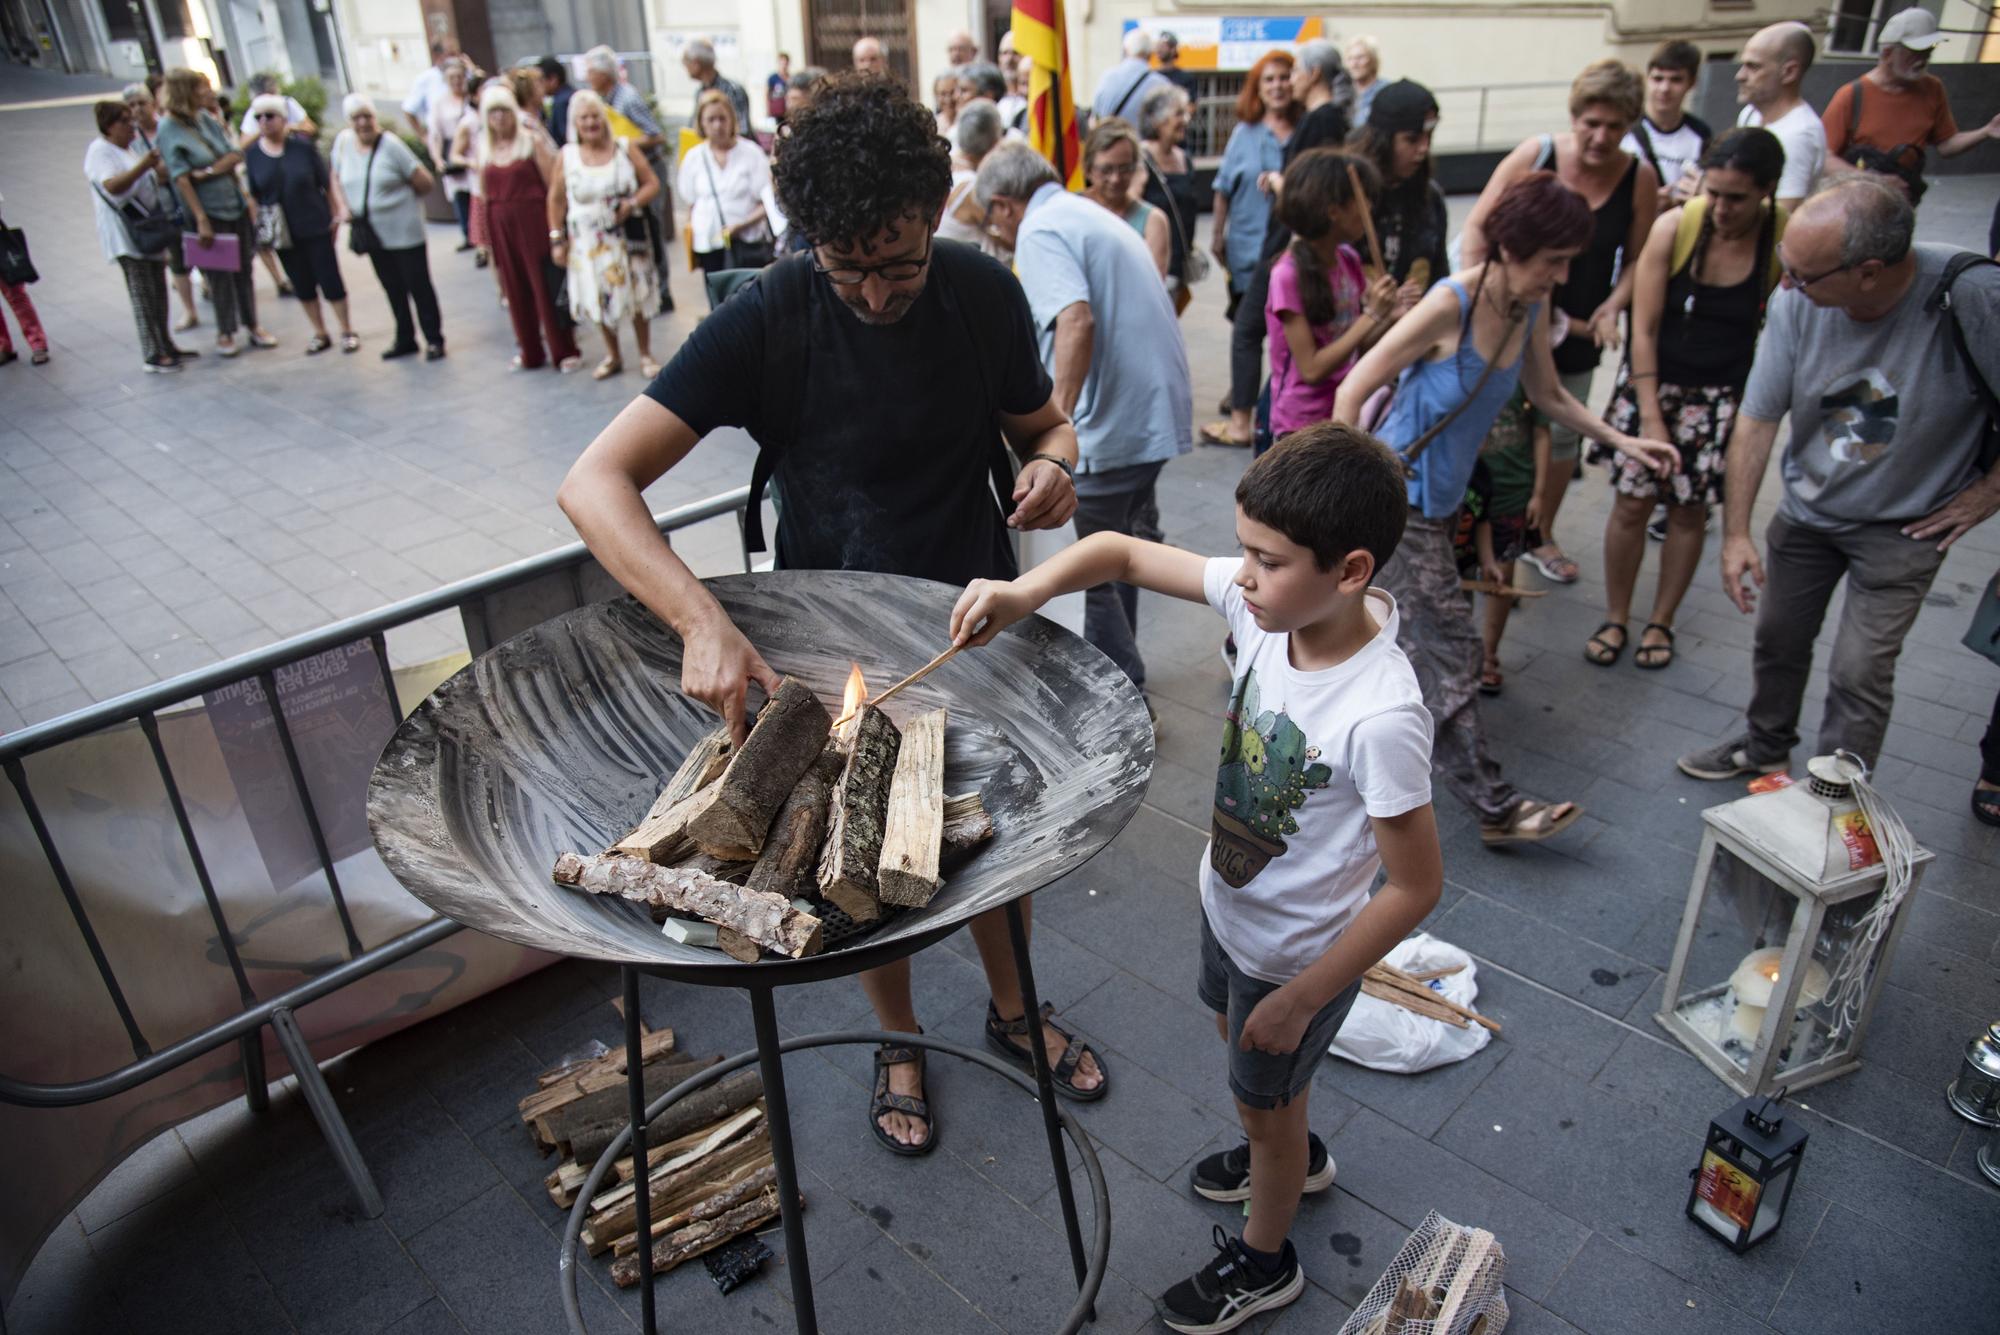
<point>1882,472</point>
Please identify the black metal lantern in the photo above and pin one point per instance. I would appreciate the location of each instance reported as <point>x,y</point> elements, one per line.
<point>1744,1180</point>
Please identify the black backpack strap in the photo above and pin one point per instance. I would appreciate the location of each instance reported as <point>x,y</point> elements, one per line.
<point>1940,300</point>
<point>1652,154</point>
<point>785,288</point>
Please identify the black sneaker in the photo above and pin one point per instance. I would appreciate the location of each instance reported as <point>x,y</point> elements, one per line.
<point>1226,1176</point>
<point>1229,1290</point>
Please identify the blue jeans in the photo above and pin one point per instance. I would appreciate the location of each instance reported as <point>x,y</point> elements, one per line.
<point>1118,501</point>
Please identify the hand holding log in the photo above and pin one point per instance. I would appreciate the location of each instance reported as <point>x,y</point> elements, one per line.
<point>733,816</point>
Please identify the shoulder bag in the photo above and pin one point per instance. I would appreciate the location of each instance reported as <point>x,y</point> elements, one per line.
<point>273,232</point>
<point>15,266</point>
<point>740,254</point>
<point>361,235</point>
<point>1889,162</point>
<point>150,233</point>
<point>1939,300</point>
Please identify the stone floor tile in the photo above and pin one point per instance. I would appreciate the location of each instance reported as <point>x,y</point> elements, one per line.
<point>1609,1291</point>
<point>176,1264</point>
<point>493,1264</point>
<point>1600,978</point>
<point>31,681</point>
<point>433,1318</point>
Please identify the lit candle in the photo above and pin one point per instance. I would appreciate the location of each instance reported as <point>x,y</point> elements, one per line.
<point>1756,978</point>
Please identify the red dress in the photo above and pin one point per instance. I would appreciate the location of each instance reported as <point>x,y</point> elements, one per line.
<point>517,224</point>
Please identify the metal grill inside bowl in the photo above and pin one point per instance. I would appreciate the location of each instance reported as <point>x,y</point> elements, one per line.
<point>559,740</point>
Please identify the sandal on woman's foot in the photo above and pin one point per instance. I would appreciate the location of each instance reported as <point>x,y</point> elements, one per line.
<point>1530,822</point>
<point>648,367</point>
<point>1218,433</point>
<point>1653,657</point>
<point>569,363</point>
<point>607,368</point>
<point>320,343</point>
<point>1491,680</point>
<point>260,339</point>
<point>350,342</point>
<point>1599,649</point>
<point>1000,1034</point>
<point>1986,805</point>
<point>1555,567</point>
<point>883,1102</point>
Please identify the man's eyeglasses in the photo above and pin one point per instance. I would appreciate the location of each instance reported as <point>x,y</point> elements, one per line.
<point>1804,281</point>
<point>894,271</point>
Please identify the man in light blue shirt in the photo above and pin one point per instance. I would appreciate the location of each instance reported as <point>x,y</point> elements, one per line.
<point>1111,343</point>
<point>1124,86</point>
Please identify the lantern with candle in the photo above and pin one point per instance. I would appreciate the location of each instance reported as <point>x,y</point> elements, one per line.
<point>1744,1180</point>
<point>1792,916</point>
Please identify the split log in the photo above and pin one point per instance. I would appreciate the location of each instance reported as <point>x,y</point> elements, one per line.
<point>854,814</point>
<point>913,825</point>
<point>733,816</point>
<point>966,826</point>
<point>712,1103</point>
<point>769,920</point>
<point>791,850</point>
<point>568,1177</point>
<point>675,1190</point>
<point>573,1080</point>
<point>687,1243</point>
<point>660,834</point>
<point>607,1103</point>
<point>724,1197</point>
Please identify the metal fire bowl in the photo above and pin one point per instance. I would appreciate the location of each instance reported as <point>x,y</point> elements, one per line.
<point>559,740</point>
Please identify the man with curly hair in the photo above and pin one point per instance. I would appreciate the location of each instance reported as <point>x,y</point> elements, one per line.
<point>880,373</point>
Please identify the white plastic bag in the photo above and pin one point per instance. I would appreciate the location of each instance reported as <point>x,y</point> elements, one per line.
<point>1038,545</point>
<point>1384,1037</point>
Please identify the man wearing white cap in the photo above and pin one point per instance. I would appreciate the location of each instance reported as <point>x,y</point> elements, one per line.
<point>1882,121</point>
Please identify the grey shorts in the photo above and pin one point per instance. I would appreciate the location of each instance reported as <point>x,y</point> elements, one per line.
<point>1263,1079</point>
<point>1564,443</point>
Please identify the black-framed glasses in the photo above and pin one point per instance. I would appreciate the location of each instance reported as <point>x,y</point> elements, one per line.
<point>894,271</point>
<point>1802,281</point>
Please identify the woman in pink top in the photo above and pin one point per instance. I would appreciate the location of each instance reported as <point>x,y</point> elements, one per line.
<point>1322,311</point>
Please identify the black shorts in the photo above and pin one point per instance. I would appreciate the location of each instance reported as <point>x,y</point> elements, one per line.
<point>1263,1080</point>
<point>313,268</point>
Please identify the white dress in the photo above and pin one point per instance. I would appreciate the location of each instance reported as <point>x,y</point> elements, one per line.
<point>611,277</point>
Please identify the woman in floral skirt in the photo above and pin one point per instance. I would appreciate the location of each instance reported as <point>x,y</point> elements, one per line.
<point>603,185</point>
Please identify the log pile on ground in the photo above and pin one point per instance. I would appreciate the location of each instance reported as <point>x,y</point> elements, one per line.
<point>741,840</point>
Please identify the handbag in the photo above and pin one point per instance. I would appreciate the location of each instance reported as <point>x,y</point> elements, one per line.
<point>15,266</point>
<point>361,235</point>
<point>222,255</point>
<point>151,233</point>
<point>273,232</point>
<point>739,254</point>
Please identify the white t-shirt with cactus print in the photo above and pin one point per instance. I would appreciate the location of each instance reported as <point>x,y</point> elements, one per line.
<point>1307,759</point>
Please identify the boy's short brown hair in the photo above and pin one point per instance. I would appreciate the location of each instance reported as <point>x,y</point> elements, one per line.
<point>1677,54</point>
<point>1331,489</point>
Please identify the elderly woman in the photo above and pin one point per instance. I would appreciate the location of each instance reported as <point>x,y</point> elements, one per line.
<point>516,165</point>
<point>1252,164</point>
<point>447,110</point>
<point>1623,193</point>
<point>126,191</point>
<point>1364,67</point>
<point>1167,181</point>
<point>196,149</point>
<point>376,182</point>
<point>944,100</point>
<point>723,180</point>
<point>1110,161</point>
<point>979,129</point>
<point>145,132</point>
<point>290,181</point>
<point>597,204</point>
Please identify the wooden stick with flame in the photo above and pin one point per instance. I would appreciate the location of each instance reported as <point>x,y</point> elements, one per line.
<point>856,697</point>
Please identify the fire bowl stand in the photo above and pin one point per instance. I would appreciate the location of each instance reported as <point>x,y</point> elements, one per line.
<point>769,1054</point>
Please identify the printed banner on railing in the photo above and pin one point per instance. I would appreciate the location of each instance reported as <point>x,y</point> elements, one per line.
<point>1231,43</point>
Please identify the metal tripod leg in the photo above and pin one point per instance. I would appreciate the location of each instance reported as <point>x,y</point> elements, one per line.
<point>642,1199</point>
<point>1017,929</point>
<point>771,1062</point>
<point>326,1112</point>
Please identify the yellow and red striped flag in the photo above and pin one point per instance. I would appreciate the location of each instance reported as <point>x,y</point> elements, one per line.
<point>1041,36</point>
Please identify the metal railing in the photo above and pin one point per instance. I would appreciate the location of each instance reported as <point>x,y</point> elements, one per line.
<point>472,599</point>
<point>1472,118</point>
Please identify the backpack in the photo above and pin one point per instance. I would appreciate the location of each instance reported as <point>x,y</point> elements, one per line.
<point>1940,300</point>
<point>1891,162</point>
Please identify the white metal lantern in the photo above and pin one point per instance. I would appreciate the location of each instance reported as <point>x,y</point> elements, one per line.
<point>1794,912</point>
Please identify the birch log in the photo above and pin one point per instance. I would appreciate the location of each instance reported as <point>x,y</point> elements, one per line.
<point>769,920</point>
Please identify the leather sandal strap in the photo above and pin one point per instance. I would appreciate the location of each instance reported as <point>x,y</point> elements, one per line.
<point>902,1103</point>
<point>887,1056</point>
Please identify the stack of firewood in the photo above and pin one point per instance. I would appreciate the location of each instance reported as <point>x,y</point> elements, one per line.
<point>742,842</point>
<point>708,1168</point>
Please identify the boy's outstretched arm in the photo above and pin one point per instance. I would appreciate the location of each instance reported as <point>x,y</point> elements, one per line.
<point>989,606</point>
<point>1415,870</point>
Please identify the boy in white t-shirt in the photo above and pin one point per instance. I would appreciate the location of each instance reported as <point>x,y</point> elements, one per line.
<point>1325,777</point>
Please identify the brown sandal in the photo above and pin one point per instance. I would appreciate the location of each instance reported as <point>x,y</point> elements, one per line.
<point>1530,822</point>
<point>910,1105</point>
<point>1600,650</point>
<point>1653,657</point>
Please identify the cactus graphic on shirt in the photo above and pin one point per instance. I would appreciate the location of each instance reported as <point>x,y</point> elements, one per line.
<point>1266,773</point>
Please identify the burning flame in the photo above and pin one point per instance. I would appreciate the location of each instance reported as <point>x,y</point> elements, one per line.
<point>851,700</point>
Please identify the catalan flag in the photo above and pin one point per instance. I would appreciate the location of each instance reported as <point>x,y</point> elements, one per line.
<point>1041,36</point>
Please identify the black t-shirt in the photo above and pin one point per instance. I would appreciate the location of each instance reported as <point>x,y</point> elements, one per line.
<point>1325,126</point>
<point>889,465</point>
<point>297,181</point>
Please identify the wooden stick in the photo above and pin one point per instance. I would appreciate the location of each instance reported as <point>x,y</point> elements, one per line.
<point>1396,997</point>
<point>674,1191</point>
<point>851,858</point>
<point>704,1235</point>
<point>708,1107</point>
<point>769,920</point>
<point>913,826</point>
<point>732,818</point>
<point>1367,220</point>
<point>747,1182</point>
<point>1397,979</point>
<point>1500,590</point>
<point>910,680</point>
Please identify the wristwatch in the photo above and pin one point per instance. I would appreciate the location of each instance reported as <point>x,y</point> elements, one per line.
<point>1069,470</point>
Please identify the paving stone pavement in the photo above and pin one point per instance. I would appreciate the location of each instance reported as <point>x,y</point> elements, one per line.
<point>314,489</point>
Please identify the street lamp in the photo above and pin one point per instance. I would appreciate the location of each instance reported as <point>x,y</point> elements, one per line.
<point>1793,913</point>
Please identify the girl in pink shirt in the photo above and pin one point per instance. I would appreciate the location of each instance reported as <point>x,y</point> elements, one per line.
<point>1323,312</point>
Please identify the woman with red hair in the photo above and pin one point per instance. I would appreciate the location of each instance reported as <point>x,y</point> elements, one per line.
<point>1251,165</point>
<point>1455,360</point>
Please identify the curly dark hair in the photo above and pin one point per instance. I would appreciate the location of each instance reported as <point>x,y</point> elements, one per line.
<point>857,160</point>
